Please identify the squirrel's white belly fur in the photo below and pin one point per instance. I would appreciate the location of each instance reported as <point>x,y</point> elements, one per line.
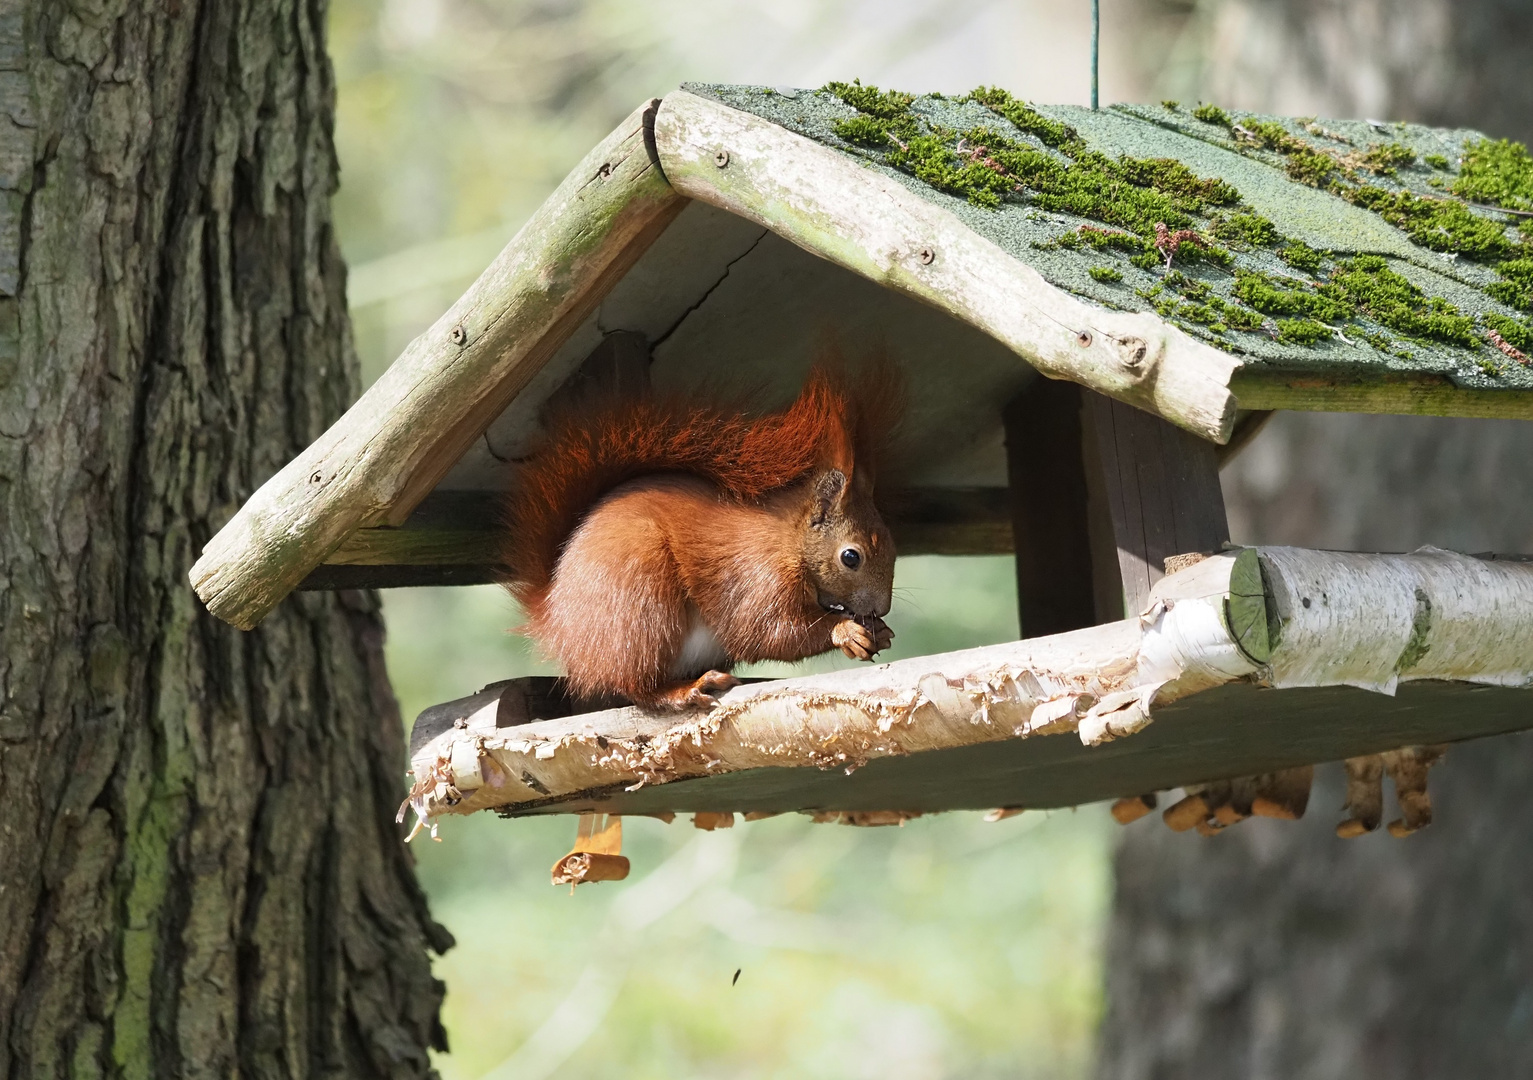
<point>700,650</point>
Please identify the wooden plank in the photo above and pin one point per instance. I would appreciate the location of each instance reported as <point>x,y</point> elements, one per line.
<point>1160,486</point>
<point>392,447</point>
<point>329,578</point>
<point>838,208</point>
<point>518,701</point>
<point>1048,509</point>
<point>1412,395</point>
<point>1235,730</point>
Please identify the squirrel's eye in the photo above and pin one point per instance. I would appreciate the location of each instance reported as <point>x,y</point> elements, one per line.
<point>851,558</point>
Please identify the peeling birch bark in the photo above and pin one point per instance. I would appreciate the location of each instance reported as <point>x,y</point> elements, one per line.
<point>1206,626</point>
<point>411,426</point>
<point>842,210</point>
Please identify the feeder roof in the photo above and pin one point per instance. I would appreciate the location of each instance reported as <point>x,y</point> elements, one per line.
<point>1173,263</point>
<point>1313,182</point>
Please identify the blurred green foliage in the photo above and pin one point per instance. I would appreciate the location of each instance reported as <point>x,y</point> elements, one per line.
<point>949,947</point>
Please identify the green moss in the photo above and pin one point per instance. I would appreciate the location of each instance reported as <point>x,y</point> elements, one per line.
<point>1204,307</point>
<point>1438,224</point>
<point>1300,256</point>
<point>974,176</point>
<point>1515,289</point>
<point>1093,186</point>
<point>1250,229</point>
<point>1516,333</point>
<point>1393,301</point>
<point>1212,114</point>
<point>1172,178</point>
<point>1498,172</point>
<point>1148,260</point>
<point>884,114</point>
<point>1188,287</point>
<point>1311,167</point>
<point>863,130</point>
<point>1172,105</point>
<point>1363,285</point>
<point>884,104</point>
<point>1271,135</point>
<point>1302,331</point>
<point>1387,157</point>
<point>1105,274</point>
<point>1101,240</point>
<point>1272,298</point>
<point>1384,343</point>
<point>1050,132</point>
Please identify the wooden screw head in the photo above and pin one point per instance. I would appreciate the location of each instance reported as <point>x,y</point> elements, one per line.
<point>721,159</point>
<point>459,336</point>
<point>1084,338</point>
<point>928,256</point>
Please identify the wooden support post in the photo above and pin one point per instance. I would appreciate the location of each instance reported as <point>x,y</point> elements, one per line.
<point>1102,495</point>
<point>1160,488</point>
<point>1048,509</point>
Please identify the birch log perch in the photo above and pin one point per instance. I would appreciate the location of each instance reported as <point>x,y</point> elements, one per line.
<point>846,211</point>
<point>1211,624</point>
<point>415,422</point>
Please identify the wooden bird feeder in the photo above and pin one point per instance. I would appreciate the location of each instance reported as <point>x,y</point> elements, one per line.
<point>1092,309</point>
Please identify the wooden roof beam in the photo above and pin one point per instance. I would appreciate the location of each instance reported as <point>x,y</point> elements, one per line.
<point>842,210</point>
<point>411,426</point>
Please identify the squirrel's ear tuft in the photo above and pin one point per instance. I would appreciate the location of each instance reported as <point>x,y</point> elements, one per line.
<point>829,486</point>
<point>839,450</point>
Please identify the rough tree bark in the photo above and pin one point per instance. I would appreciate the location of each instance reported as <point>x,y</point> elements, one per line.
<point>1277,950</point>
<point>196,875</point>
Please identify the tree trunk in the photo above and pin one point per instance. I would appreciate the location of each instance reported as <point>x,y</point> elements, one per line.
<point>198,879</point>
<point>1277,950</point>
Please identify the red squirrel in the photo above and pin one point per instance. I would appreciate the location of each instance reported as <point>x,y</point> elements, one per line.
<point>654,543</point>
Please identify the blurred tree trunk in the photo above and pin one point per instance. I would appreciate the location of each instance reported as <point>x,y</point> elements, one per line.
<point>199,871</point>
<point>1276,950</point>
<point>1446,62</point>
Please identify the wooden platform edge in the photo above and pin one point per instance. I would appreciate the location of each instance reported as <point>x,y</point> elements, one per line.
<point>1372,621</point>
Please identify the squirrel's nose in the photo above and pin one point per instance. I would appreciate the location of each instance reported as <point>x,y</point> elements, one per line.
<point>868,602</point>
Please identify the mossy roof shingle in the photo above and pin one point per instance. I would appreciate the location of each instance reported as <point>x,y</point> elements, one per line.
<point>1455,325</point>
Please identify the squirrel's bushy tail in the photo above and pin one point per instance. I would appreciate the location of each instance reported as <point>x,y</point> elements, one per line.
<point>589,453</point>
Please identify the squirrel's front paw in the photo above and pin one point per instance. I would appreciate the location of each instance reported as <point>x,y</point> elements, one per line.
<point>883,637</point>
<point>862,637</point>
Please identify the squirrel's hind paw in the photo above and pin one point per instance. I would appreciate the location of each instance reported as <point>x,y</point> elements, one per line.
<point>697,694</point>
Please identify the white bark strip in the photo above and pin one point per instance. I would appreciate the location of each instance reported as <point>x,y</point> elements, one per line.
<point>1374,620</point>
<point>1101,682</point>
<point>414,423</point>
<point>844,211</point>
